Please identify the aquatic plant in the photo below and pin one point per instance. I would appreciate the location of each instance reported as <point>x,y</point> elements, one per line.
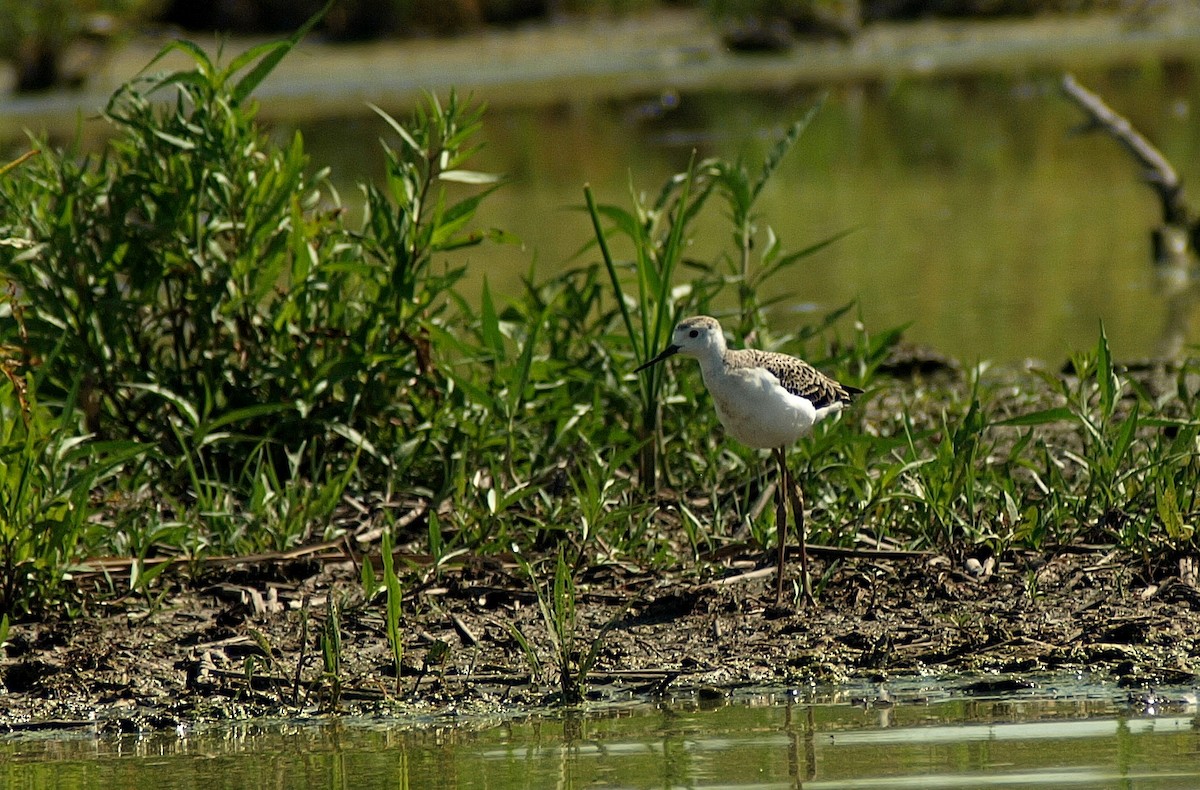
<point>393,613</point>
<point>572,654</point>
<point>332,680</point>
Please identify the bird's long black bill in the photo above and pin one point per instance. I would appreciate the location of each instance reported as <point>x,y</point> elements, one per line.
<point>669,351</point>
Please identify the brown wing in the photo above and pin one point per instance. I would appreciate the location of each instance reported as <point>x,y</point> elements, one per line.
<point>802,379</point>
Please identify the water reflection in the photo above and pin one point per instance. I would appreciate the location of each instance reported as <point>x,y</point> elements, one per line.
<point>931,736</point>
<point>801,727</point>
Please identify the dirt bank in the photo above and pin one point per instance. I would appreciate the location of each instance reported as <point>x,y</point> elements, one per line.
<point>241,640</point>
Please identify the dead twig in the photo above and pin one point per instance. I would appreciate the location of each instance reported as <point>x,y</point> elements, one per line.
<point>1156,169</point>
<point>1175,244</point>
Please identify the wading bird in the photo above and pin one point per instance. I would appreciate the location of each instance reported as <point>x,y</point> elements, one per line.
<point>764,399</point>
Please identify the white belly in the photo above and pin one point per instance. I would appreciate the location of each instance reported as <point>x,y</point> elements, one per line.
<point>758,412</point>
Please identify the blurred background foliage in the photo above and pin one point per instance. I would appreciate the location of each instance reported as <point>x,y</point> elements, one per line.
<point>50,42</point>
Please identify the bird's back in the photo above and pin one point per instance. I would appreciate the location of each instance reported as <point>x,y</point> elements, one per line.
<point>766,399</point>
<point>796,376</point>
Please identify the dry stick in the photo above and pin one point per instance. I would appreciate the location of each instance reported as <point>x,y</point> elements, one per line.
<point>327,551</point>
<point>1157,171</point>
<point>836,552</point>
<point>1176,241</point>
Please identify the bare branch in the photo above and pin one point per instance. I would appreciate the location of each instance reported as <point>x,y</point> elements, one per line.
<point>1156,170</point>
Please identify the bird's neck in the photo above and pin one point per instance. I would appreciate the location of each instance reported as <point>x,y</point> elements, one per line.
<point>712,360</point>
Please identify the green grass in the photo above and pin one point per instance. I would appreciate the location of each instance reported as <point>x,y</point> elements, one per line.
<point>572,650</point>
<point>202,357</point>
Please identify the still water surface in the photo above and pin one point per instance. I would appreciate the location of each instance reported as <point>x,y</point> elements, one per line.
<point>928,737</point>
<point>979,216</point>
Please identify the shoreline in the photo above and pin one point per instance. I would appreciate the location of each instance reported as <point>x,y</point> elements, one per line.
<point>237,640</point>
<point>641,54</point>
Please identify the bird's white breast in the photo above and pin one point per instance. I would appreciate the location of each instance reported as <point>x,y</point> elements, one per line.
<point>755,410</point>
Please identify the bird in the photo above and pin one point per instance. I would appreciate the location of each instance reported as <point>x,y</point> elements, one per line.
<point>767,400</point>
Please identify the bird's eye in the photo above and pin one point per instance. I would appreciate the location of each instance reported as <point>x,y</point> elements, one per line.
<point>694,333</point>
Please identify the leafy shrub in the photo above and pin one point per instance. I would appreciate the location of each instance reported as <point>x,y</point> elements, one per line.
<point>193,287</point>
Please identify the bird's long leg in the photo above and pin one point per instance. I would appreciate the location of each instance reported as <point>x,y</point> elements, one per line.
<point>797,497</point>
<point>781,521</point>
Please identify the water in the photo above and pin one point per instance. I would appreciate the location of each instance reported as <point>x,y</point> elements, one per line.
<point>930,735</point>
<point>979,217</point>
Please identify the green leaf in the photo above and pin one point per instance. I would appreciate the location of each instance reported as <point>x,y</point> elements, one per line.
<point>453,219</point>
<point>792,257</point>
<point>178,142</point>
<point>249,56</point>
<point>595,212</point>
<point>1125,436</point>
<point>367,578</point>
<point>397,128</point>
<point>199,57</point>
<point>247,413</point>
<point>1104,375</point>
<point>436,546</point>
<point>525,365</point>
<point>501,236</point>
<point>1041,417</point>
<point>356,438</point>
<point>1169,514</point>
<point>489,324</point>
<point>185,408</point>
<point>274,53</point>
<point>783,146</point>
<point>394,612</point>
<point>140,575</point>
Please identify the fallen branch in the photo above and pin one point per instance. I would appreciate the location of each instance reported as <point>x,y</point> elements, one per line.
<point>1156,169</point>
<point>831,552</point>
<point>332,550</point>
<point>1175,243</point>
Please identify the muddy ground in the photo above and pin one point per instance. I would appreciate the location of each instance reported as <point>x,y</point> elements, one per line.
<point>241,637</point>
<point>232,641</point>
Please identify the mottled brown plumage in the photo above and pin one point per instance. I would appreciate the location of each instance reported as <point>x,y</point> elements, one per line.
<point>796,376</point>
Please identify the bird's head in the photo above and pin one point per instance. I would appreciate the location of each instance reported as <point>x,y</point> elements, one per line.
<point>699,336</point>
